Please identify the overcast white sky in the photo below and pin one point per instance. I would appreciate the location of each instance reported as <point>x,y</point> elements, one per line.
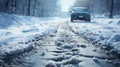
<point>66,4</point>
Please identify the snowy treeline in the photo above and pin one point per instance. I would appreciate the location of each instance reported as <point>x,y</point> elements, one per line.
<point>46,8</point>
<point>41,8</point>
<point>103,8</point>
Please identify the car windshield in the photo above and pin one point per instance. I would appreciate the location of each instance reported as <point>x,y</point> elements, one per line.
<point>80,9</point>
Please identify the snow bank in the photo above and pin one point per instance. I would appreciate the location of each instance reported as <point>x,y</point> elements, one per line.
<point>18,33</point>
<point>107,21</point>
<point>5,20</point>
<point>114,41</point>
<point>103,32</point>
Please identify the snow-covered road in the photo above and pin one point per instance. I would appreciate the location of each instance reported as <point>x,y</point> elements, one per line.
<point>63,48</point>
<point>57,42</point>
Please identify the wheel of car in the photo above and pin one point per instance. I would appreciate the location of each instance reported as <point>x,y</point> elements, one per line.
<point>72,18</point>
<point>88,18</point>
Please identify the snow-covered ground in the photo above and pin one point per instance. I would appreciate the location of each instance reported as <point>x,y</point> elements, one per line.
<point>17,32</point>
<point>64,49</point>
<point>58,41</point>
<point>103,32</point>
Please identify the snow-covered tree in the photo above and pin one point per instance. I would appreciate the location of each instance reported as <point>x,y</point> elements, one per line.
<point>41,8</point>
<point>46,8</point>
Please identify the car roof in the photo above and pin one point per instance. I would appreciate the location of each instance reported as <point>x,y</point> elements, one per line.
<point>79,8</point>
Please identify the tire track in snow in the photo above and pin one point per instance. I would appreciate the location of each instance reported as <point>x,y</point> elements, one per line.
<point>48,49</point>
<point>109,59</point>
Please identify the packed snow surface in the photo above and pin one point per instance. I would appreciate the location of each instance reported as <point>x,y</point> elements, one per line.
<point>61,42</point>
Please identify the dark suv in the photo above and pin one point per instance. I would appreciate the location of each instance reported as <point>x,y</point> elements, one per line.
<point>80,13</point>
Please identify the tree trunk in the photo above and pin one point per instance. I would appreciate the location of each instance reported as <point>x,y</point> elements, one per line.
<point>34,8</point>
<point>28,9</point>
<point>112,9</point>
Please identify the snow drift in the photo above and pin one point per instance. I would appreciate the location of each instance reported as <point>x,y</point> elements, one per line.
<point>19,32</point>
<point>102,32</point>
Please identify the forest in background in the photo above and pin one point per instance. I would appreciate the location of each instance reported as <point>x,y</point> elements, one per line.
<point>51,8</point>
